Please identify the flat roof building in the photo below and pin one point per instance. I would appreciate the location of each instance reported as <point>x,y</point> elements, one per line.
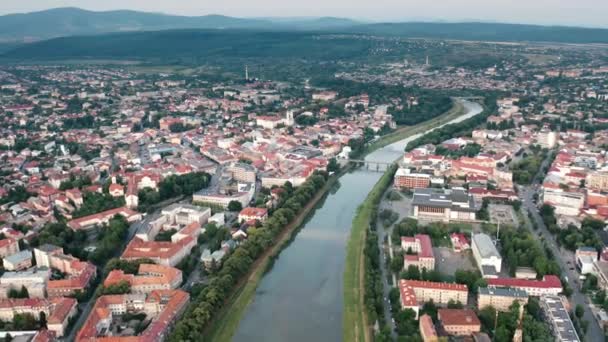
<point>556,314</point>
<point>438,205</point>
<point>549,285</point>
<point>500,298</point>
<point>486,255</point>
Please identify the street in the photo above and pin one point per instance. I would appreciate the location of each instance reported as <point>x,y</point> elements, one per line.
<point>562,256</point>
<point>403,211</point>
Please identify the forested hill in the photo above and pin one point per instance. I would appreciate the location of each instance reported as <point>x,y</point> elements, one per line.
<point>487,32</point>
<point>211,45</point>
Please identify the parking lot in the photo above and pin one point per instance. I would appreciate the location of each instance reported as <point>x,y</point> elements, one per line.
<point>448,261</point>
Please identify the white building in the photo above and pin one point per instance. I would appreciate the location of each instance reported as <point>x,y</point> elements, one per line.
<point>486,255</point>
<point>567,203</point>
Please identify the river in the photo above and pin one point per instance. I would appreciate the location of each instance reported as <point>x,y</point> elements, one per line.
<point>300,297</point>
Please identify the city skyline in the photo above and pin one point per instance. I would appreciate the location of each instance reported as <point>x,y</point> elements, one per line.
<point>584,13</point>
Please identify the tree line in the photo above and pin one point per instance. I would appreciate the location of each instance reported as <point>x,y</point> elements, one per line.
<point>462,128</point>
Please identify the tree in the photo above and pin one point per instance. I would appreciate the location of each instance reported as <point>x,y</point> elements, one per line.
<point>397,263</point>
<point>579,311</point>
<point>121,287</point>
<point>454,305</point>
<point>333,166</point>
<point>22,293</point>
<point>235,206</point>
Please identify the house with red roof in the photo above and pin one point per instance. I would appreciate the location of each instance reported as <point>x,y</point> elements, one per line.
<point>253,214</point>
<point>418,252</point>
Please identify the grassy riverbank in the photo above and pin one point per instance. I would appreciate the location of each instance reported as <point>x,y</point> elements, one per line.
<point>226,322</point>
<point>401,133</point>
<point>354,320</point>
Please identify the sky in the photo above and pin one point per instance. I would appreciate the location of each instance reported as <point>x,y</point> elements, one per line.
<point>587,13</point>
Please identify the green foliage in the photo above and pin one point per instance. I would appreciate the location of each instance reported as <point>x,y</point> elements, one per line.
<point>333,166</point>
<point>438,232</point>
<point>22,293</point>
<point>95,202</point>
<point>572,238</point>
<point>462,128</point>
<point>179,127</point>
<point>173,186</point>
<point>393,196</point>
<point>111,236</point>
<point>306,120</point>
<point>75,182</point>
<point>235,206</point>
<point>521,249</point>
<point>61,235</point>
<point>526,169</point>
<point>470,150</point>
<point>388,217</point>
<point>17,194</point>
<point>472,279</point>
<point>86,121</point>
<point>407,325</point>
<point>165,235</point>
<point>24,322</point>
<point>127,266</point>
<point>121,287</point>
<point>429,106</point>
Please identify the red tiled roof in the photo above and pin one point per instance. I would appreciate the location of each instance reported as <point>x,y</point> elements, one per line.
<point>458,317</point>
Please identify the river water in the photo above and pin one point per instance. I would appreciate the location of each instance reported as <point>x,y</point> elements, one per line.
<point>300,297</point>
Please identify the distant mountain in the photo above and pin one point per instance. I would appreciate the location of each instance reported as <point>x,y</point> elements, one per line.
<point>61,22</point>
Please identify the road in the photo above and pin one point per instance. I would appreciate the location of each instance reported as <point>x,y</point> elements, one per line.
<point>401,207</point>
<point>562,256</point>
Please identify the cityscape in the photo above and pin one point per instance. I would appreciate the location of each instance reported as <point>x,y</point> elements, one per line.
<point>324,180</point>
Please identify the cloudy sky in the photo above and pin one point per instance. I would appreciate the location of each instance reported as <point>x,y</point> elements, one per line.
<point>591,13</point>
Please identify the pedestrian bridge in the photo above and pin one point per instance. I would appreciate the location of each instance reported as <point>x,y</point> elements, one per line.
<point>378,166</point>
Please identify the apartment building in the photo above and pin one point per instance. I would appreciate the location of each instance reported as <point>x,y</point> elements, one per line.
<point>558,318</point>
<point>427,329</point>
<point>422,248</point>
<point>58,311</point>
<point>164,307</point>
<point>79,273</point>
<point>459,322</point>
<point>404,179</point>
<point>35,280</point>
<point>568,203</point>
<point>242,172</point>
<point>8,247</point>
<point>550,285</point>
<point>415,292</point>
<point>500,298</point>
<point>150,277</point>
<point>90,222</point>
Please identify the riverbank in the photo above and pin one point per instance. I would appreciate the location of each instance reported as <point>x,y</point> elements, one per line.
<point>355,323</point>
<point>401,133</point>
<point>227,320</point>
